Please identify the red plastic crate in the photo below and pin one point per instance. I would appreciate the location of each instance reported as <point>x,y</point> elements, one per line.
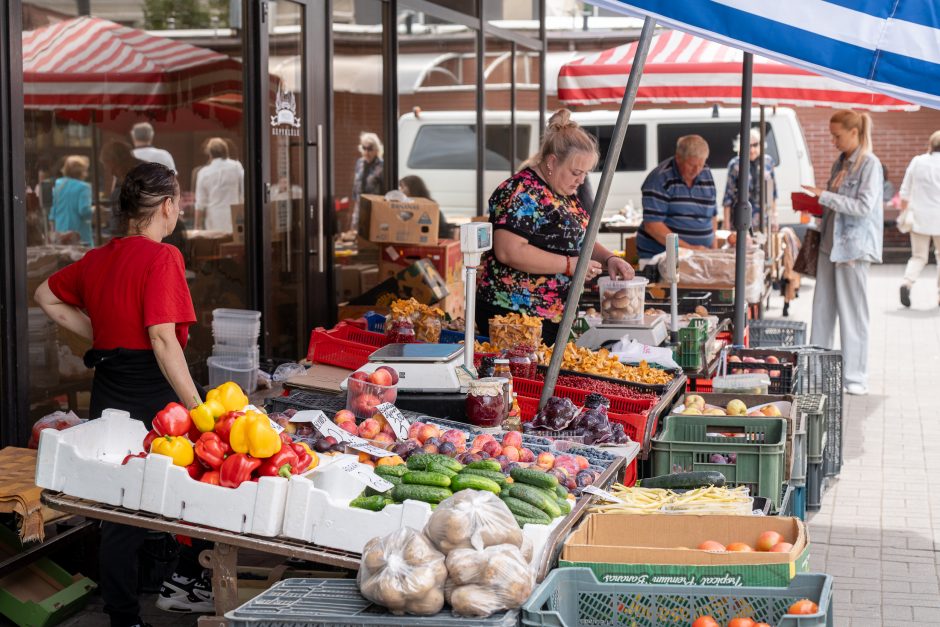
<point>344,346</point>
<point>701,385</point>
<point>629,475</point>
<point>618,404</point>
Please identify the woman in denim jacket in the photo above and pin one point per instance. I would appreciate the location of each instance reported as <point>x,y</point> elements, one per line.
<point>851,240</point>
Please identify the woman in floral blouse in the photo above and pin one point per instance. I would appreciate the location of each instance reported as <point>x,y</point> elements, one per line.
<point>538,231</point>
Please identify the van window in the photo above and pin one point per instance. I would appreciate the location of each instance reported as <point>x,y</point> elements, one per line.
<point>633,155</point>
<point>454,147</point>
<point>719,135</point>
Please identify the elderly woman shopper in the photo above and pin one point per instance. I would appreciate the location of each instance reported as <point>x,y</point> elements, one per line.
<point>369,174</point>
<point>753,195</point>
<point>920,195</point>
<point>71,200</point>
<point>851,240</point>
<point>538,231</point>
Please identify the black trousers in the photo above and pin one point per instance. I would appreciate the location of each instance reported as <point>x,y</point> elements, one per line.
<point>485,311</point>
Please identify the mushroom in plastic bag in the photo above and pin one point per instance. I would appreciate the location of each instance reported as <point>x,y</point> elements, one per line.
<point>472,519</point>
<point>404,573</point>
<point>481,583</point>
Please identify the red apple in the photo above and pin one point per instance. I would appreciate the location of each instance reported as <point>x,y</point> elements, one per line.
<point>381,377</point>
<point>391,371</point>
<point>493,448</point>
<point>512,438</point>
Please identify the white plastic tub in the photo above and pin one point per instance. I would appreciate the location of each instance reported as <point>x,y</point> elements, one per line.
<point>622,301</point>
<point>241,370</point>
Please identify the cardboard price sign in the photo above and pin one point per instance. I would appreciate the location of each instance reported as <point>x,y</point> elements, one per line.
<point>395,419</point>
<point>327,427</point>
<point>367,477</point>
<point>604,494</point>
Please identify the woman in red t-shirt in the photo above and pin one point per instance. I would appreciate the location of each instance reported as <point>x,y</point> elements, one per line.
<point>131,300</point>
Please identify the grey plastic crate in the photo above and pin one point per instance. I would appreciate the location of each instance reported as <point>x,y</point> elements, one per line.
<point>298,602</point>
<point>797,470</point>
<point>573,596</point>
<point>822,374</point>
<point>815,486</point>
<point>813,406</point>
<point>774,333</point>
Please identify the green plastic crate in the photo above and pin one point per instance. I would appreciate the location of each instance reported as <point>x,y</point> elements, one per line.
<point>574,596</point>
<point>814,407</point>
<point>690,352</point>
<point>684,445</point>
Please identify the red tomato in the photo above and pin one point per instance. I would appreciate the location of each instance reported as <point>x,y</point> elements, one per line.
<point>705,621</point>
<point>803,606</point>
<point>740,622</point>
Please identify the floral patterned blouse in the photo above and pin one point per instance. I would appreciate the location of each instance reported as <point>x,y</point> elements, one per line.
<point>525,205</point>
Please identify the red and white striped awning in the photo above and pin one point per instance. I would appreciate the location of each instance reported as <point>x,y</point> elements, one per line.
<point>685,68</point>
<point>91,63</point>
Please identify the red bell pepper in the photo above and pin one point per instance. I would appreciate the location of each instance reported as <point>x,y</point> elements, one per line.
<point>151,436</point>
<point>195,470</point>
<point>223,426</point>
<point>211,450</point>
<point>172,420</point>
<point>211,477</point>
<point>129,456</point>
<point>286,439</point>
<point>303,458</point>
<point>236,469</point>
<point>193,434</point>
<point>281,464</point>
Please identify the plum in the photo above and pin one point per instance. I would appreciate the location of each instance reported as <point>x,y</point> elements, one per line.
<point>584,478</point>
<point>447,448</point>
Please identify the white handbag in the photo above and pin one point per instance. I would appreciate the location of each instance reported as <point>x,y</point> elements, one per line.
<point>905,221</point>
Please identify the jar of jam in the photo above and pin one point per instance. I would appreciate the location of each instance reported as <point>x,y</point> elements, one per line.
<point>521,363</point>
<point>400,330</point>
<point>503,371</point>
<point>486,404</point>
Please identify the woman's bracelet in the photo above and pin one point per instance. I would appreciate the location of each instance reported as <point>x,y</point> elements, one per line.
<point>608,259</point>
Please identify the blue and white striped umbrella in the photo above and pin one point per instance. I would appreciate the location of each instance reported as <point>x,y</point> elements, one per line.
<point>888,46</point>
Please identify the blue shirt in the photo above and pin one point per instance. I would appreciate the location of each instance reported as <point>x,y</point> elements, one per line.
<point>71,207</point>
<point>753,194</point>
<point>687,211</point>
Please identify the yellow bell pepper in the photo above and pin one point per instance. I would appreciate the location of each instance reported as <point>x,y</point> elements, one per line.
<point>229,395</point>
<point>178,448</point>
<point>205,415</point>
<point>253,434</point>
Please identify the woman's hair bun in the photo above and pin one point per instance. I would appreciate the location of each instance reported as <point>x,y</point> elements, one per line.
<point>561,120</point>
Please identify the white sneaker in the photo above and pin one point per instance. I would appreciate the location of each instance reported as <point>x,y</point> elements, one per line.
<point>856,389</point>
<point>182,594</point>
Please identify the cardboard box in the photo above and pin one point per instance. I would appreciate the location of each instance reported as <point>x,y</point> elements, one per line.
<point>455,304</point>
<point>621,548</point>
<point>369,277</point>
<point>354,279</point>
<point>419,281</point>
<point>445,256</point>
<point>390,221</point>
<point>345,311</point>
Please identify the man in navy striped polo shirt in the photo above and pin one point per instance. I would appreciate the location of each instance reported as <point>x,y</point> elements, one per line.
<point>679,197</point>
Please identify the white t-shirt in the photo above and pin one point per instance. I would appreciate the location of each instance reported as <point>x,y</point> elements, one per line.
<point>155,155</point>
<point>921,188</point>
<point>219,185</point>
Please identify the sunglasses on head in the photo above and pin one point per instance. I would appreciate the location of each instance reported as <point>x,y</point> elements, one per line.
<point>755,144</point>
<point>363,147</point>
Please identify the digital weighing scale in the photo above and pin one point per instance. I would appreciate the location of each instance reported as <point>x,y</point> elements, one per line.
<point>650,331</point>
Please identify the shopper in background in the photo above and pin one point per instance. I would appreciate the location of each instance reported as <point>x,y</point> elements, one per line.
<point>71,201</point>
<point>131,300</point>
<point>142,134</point>
<point>753,195</point>
<point>851,236</point>
<point>679,197</point>
<point>538,231</point>
<point>414,187</point>
<point>219,185</point>
<point>920,195</point>
<point>369,176</point>
<point>119,159</point>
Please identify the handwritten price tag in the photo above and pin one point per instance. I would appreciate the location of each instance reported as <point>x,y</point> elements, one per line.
<point>328,428</point>
<point>363,445</point>
<point>276,426</point>
<point>396,420</point>
<point>367,476</point>
<point>604,494</point>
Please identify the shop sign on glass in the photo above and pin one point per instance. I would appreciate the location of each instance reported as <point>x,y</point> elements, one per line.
<point>285,121</point>
<point>396,420</point>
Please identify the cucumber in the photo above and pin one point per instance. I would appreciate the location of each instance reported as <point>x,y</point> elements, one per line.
<point>370,491</point>
<point>391,471</point>
<point>426,493</point>
<point>534,477</point>
<point>534,496</point>
<point>522,521</point>
<point>486,464</point>
<point>498,477</point>
<point>685,480</point>
<point>421,461</point>
<point>373,503</point>
<point>473,482</point>
<point>441,469</point>
<point>422,477</point>
<point>521,508</point>
<point>561,491</point>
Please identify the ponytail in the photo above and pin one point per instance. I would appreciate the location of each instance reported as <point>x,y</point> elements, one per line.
<point>849,120</point>
<point>564,137</point>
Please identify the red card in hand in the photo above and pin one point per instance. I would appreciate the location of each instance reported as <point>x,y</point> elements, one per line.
<point>807,203</point>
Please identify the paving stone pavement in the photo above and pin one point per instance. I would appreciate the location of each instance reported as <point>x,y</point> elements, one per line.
<point>878,530</point>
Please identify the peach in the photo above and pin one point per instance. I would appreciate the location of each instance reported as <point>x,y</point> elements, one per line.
<point>512,438</point>
<point>545,460</point>
<point>768,540</point>
<point>493,448</point>
<point>582,461</point>
<point>379,418</point>
<point>360,376</point>
<point>739,547</point>
<point>781,547</point>
<point>482,439</point>
<point>427,432</point>
<point>414,429</point>
<point>456,438</point>
<point>773,359</point>
<point>511,453</point>
<point>711,545</point>
<point>384,438</point>
<point>365,404</point>
<point>392,373</point>
<point>369,429</point>
<point>344,415</point>
<point>567,462</point>
<point>349,426</point>
<point>387,430</point>
<point>526,455</point>
<point>381,377</point>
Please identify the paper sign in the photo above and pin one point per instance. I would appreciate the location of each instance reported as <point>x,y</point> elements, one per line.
<point>604,494</point>
<point>328,428</point>
<point>363,445</point>
<point>367,477</point>
<point>276,426</point>
<point>255,409</point>
<point>396,420</point>
<point>307,415</point>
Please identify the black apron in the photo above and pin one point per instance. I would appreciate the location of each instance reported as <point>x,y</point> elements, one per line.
<point>130,380</point>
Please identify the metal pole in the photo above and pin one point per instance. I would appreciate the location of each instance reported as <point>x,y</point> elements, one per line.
<point>762,189</point>
<point>742,209</point>
<point>600,200</point>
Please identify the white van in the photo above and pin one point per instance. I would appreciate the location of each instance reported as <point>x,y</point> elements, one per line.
<point>440,147</point>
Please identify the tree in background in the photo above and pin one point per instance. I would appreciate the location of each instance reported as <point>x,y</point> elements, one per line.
<point>179,14</point>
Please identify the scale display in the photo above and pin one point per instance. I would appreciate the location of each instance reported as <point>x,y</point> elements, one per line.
<point>417,353</point>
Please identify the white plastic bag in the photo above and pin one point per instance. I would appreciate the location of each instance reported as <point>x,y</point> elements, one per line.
<point>633,352</point>
<point>404,573</point>
<point>472,519</point>
<point>481,583</point>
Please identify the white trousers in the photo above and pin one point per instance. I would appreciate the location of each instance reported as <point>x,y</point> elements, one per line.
<point>842,294</point>
<point>920,254</point>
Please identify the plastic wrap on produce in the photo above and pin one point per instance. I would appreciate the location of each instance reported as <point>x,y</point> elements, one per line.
<point>473,519</point>
<point>716,267</point>
<point>481,583</point>
<point>404,573</point>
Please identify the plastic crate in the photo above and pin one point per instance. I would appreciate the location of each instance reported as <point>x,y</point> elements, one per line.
<point>789,369</point>
<point>344,346</point>
<point>686,304</point>
<point>796,473</point>
<point>821,373</point>
<point>297,602</point>
<point>456,337</point>
<point>771,333</point>
<point>375,322</point>
<point>574,596</point>
<point>793,502</point>
<point>684,445</point>
<point>815,486</point>
<point>618,404</point>
<point>690,352</point>
<point>813,407</point>
<point>699,385</point>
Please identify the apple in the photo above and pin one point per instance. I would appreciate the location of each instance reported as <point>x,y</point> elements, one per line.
<point>513,438</point>
<point>714,411</point>
<point>781,547</point>
<point>773,359</point>
<point>734,359</point>
<point>771,410</point>
<point>694,400</point>
<point>391,371</point>
<point>493,448</point>
<point>369,429</point>
<point>736,407</point>
<point>768,540</point>
<point>414,429</point>
<point>427,432</point>
<point>344,415</point>
<point>381,377</point>
<point>545,460</point>
<point>511,453</point>
<point>757,414</point>
<point>526,455</point>
<point>751,360</point>
<point>692,411</point>
<point>711,545</point>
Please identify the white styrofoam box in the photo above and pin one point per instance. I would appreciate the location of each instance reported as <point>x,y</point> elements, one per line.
<point>318,511</point>
<point>252,507</point>
<point>85,460</point>
<point>539,535</point>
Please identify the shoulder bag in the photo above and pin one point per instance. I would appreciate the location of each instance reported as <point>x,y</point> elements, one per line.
<point>808,257</point>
